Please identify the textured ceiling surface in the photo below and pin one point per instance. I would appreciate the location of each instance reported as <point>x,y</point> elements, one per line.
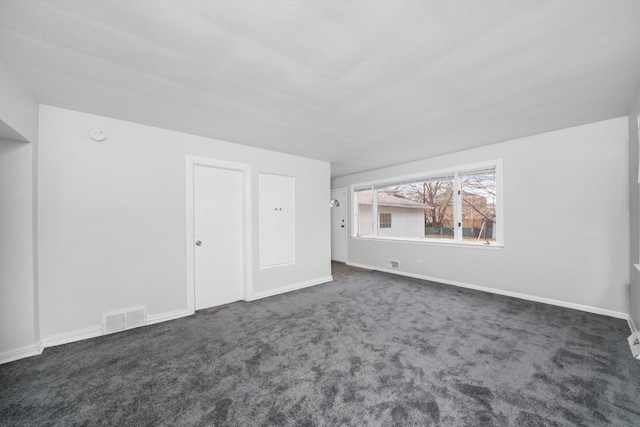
<point>359,84</point>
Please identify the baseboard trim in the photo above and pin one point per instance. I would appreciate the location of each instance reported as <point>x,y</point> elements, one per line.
<point>632,326</point>
<point>559,303</point>
<point>633,339</point>
<point>21,353</point>
<point>72,336</point>
<point>96,331</point>
<point>290,288</point>
<point>163,317</point>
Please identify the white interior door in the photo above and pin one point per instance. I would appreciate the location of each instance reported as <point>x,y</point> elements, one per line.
<point>219,236</point>
<point>339,225</point>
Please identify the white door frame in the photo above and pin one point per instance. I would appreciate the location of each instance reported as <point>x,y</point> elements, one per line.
<point>346,220</point>
<point>191,162</point>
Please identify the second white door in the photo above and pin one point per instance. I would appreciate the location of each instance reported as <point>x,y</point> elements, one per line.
<point>339,225</point>
<point>219,236</point>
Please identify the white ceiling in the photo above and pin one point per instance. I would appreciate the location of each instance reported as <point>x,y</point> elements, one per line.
<point>359,84</point>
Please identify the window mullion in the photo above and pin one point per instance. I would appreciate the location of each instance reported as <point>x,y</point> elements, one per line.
<point>457,208</point>
<point>355,226</point>
<point>374,209</point>
<point>467,200</point>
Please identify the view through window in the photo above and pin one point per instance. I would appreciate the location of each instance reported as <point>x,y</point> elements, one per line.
<point>455,207</point>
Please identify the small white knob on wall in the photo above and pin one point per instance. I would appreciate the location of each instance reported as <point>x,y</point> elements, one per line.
<point>97,135</point>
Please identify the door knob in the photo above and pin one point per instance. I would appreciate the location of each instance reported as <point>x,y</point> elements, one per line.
<point>198,243</point>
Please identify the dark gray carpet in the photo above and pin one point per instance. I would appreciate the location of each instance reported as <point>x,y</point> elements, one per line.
<point>371,349</point>
<point>340,270</point>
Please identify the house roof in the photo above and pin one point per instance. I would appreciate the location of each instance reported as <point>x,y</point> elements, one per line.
<point>364,198</point>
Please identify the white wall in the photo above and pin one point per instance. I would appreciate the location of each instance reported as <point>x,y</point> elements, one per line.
<point>18,314</point>
<point>634,197</point>
<point>405,222</point>
<point>112,217</point>
<point>18,109</point>
<point>19,334</point>
<point>566,220</point>
<point>365,219</point>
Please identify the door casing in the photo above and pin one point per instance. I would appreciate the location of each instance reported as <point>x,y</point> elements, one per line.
<point>191,162</point>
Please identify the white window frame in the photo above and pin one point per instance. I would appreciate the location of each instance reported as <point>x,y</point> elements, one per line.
<point>456,172</point>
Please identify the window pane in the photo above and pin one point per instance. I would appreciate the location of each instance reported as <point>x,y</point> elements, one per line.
<point>417,210</point>
<point>479,205</point>
<point>438,194</point>
<point>364,213</point>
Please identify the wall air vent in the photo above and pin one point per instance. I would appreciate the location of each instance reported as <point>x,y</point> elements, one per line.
<point>394,264</point>
<point>113,323</point>
<point>121,320</point>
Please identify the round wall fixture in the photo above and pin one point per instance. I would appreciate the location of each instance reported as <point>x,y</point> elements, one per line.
<point>97,135</point>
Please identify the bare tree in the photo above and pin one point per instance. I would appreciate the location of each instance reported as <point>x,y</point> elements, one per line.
<point>437,194</point>
<point>478,193</point>
<point>478,198</point>
<point>479,205</point>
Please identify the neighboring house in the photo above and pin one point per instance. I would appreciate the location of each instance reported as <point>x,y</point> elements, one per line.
<point>477,209</point>
<point>398,217</point>
<point>478,215</point>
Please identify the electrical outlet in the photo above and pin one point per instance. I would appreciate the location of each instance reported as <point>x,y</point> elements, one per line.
<point>420,261</point>
<point>394,264</point>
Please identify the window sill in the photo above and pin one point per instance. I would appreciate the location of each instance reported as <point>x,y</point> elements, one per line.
<point>432,242</point>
